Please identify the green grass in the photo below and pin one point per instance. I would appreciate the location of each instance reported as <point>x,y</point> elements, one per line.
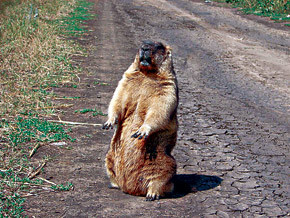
<point>73,24</point>
<point>61,187</point>
<point>278,10</point>
<point>37,130</point>
<point>101,83</point>
<point>18,139</point>
<point>95,111</point>
<point>68,98</point>
<point>34,57</point>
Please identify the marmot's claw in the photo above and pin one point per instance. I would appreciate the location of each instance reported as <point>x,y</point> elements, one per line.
<point>145,136</point>
<point>110,186</point>
<point>139,135</point>
<point>107,126</point>
<point>135,135</point>
<point>152,197</point>
<point>110,124</point>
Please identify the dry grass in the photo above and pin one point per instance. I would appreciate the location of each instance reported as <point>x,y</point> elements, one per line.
<point>33,57</point>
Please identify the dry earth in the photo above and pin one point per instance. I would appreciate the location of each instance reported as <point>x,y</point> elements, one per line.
<point>233,143</point>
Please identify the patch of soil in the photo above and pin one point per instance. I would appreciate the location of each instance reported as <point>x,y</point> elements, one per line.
<point>233,127</point>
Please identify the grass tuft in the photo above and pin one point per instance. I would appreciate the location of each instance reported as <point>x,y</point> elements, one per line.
<point>35,57</point>
<point>95,112</point>
<point>278,10</point>
<point>61,187</point>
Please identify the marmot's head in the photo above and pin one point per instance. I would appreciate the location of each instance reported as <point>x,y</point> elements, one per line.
<point>151,55</point>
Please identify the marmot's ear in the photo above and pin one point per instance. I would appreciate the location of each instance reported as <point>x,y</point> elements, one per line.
<point>168,50</point>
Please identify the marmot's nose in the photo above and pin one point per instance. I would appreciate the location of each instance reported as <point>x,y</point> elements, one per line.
<point>145,57</point>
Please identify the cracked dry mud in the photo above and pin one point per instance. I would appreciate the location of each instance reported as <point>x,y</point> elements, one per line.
<point>233,139</point>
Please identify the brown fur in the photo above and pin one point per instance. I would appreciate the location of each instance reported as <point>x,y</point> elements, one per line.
<point>144,106</point>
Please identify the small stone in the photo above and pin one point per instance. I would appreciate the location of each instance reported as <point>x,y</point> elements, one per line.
<point>255,209</point>
<point>268,204</point>
<point>222,214</point>
<point>224,166</point>
<point>212,132</point>
<point>211,211</point>
<point>231,201</point>
<point>241,168</point>
<point>275,212</point>
<point>238,175</point>
<point>254,202</point>
<point>59,143</point>
<point>251,184</point>
<point>227,150</point>
<point>239,207</point>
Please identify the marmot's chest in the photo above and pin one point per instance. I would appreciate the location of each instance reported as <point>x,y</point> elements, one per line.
<point>139,98</point>
<point>144,87</point>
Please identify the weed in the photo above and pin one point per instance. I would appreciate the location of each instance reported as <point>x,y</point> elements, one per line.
<point>99,113</point>
<point>11,206</point>
<point>33,60</point>
<point>35,129</point>
<point>73,24</point>
<point>15,167</point>
<point>71,86</point>
<point>68,98</point>
<point>101,83</point>
<point>62,187</point>
<point>95,112</point>
<point>275,9</point>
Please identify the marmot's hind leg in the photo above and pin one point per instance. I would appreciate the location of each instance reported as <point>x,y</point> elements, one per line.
<point>110,170</point>
<point>160,183</point>
<point>157,189</point>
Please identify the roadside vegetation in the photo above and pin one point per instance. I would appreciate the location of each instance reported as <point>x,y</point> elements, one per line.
<point>278,10</point>
<point>35,56</point>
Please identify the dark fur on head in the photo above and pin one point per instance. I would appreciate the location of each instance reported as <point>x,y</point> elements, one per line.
<point>151,55</point>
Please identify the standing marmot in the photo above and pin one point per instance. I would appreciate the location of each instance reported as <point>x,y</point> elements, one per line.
<point>144,108</point>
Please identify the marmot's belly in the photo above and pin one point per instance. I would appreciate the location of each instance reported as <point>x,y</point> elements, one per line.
<point>136,168</point>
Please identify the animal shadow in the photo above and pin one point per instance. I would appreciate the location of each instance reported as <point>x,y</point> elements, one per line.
<point>192,183</point>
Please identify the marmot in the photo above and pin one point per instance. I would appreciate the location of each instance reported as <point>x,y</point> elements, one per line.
<point>144,107</point>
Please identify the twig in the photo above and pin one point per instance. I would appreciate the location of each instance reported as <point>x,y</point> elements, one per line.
<point>46,180</point>
<point>37,171</point>
<point>75,123</point>
<point>67,98</point>
<point>55,107</point>
<point>27,195</point>
<point>34,150</point>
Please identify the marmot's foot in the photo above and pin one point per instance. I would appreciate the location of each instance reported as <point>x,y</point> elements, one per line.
<point>152,197</point>
<point>113,186</point>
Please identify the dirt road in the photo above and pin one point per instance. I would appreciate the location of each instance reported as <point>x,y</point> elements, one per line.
<point>233,143</point>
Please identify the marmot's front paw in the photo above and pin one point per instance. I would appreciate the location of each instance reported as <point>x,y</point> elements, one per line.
<point>110,123</point>
<point>142,132</point>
